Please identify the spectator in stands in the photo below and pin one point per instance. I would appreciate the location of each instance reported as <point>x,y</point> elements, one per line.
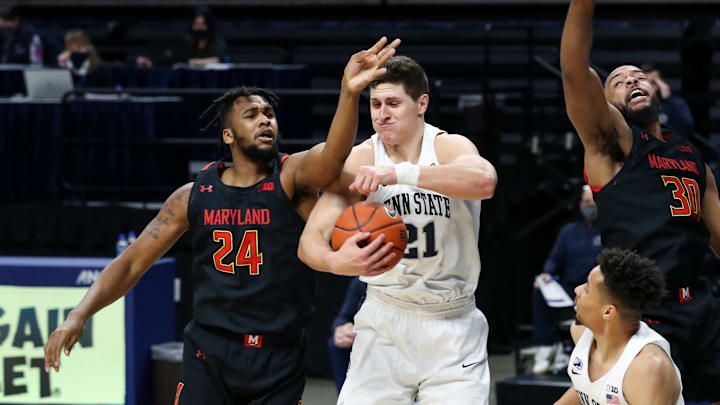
<point>571,259</point>
<point>342,338</point>
<point>16,37</point>
<point>675,111</point>
<point>83,61</point>
<point>204,46</point>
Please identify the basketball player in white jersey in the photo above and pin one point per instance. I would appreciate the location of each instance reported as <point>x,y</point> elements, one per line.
<point>617,358</point>
<point>419,335</point>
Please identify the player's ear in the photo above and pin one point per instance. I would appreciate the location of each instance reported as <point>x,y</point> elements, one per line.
<point>422,103</point>
<point>610,312</point>
<point>227,136</point>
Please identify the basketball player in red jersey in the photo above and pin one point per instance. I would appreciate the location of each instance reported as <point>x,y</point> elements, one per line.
<point>655,196</point>
<point>252,295</point>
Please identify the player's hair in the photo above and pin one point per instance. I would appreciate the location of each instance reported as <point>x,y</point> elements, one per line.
<point>223,105</point>
<point>401,69</point>
<point>632,282</point>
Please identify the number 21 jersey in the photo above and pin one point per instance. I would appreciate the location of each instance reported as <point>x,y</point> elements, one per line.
<point>442,261</point>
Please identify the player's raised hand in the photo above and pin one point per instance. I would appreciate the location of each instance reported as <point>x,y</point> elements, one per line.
<point>65,336</point>
<point>369,178</point>
<point>366,65</point>
<point>354,259</point>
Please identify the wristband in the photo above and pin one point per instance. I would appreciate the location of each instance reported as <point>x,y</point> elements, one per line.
<point>407,173</point>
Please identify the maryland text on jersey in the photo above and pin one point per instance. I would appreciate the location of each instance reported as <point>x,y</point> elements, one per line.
<point>250,216</point>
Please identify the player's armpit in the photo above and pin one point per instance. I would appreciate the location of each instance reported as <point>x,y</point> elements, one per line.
<point>650,379</point>
<point>711,211</point>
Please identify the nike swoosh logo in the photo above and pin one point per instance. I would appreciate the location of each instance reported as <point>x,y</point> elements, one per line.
<point>574,372</point>
<point>471,364</point>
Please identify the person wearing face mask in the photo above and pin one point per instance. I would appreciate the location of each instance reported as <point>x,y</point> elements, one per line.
<point>83,61</point>
<point>206,46</point>
<point>203,46</point>
<point>571,259</point>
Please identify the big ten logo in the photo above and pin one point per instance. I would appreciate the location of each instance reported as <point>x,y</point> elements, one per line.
<point>611,389</point>
<point>25,334</point>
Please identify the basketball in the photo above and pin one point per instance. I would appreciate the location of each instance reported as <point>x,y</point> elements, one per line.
<point>375,218</point>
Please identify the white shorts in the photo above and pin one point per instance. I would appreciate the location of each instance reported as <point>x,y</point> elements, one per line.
<point>435,354</point>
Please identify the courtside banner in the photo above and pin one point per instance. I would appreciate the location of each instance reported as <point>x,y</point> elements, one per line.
<point>93,374</point>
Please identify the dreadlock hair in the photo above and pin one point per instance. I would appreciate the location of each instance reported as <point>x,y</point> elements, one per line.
<point>632,282</point>
<point>223,105</point>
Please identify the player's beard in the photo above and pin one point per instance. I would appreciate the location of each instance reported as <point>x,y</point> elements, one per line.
<point>644,117</point>
<point>260,156</point>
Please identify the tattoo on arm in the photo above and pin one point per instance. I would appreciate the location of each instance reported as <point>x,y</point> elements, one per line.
<point>162,219</point>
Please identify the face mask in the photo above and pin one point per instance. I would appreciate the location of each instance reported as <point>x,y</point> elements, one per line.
<point>78,58</point>
<point>201,34</point>
<point>589,212</point>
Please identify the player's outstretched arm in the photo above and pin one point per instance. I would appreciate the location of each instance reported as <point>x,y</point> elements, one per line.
<point>321,164</point>
<point>597,121</point>
<point>121,274</point>
<point>350,260</point>
<point>711,211</point>
<point>570,397</point>
<point>462,172</point>
<point>650,379</point>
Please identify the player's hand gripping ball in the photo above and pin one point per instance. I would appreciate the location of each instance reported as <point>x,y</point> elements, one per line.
<point>375,218</point>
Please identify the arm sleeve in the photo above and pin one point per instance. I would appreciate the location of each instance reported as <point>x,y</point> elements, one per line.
<point>353,298</point>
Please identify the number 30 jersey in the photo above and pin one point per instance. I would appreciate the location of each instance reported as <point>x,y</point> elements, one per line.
<point>246,273</point>
<point>442,261</point>
<point>654,204</point>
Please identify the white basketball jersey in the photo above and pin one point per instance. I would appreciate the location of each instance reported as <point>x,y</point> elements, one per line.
<point>608,389</point>
<point>442,261</point>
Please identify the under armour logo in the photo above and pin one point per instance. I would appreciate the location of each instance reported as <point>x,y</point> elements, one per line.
<point>206,188</point>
